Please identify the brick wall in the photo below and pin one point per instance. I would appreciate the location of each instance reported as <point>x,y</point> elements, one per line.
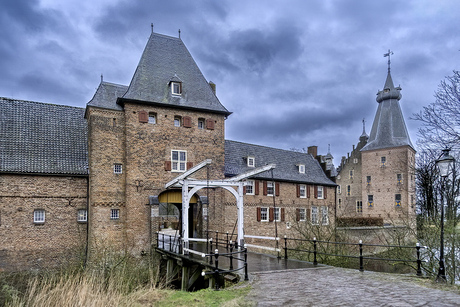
<point>25,244</point>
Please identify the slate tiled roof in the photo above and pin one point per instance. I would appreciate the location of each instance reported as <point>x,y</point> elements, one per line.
<point>286,163</point>
<point>166,59</point>
<point>42,138</point>
<point>389,128</point>
<point>107,94</point>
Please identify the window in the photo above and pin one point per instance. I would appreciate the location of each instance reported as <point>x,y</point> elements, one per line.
<point>152,118</point>
<point>368,180</point>
<point>399,178</point>
<point>250,187</point>
<point>324,215</point>
<point>355,161</point>
<point>340,202</point>
<point>114,214</point>
<point>383,161</point>
<point>302,168</point>
<point>176,88</point>
<point>201,122</point>
<point>251,162</point>
<point>302,191</point>
<point>39,216</point>
<point>398,200</point>
<point>348,190</point>
<point>270,188</point>
<point>117,168</point>
<point>320,192</point>
<point>82,215</point>
<point>359,206</point>
<point>370,200</point>
<point>177,121</point>
<point>178,160</point>
<point>339,189</point>
<point>302,214</point>
<point>351,174</point>
<point>277,214</point>
<point>264,214</point>
<point>314,215</point>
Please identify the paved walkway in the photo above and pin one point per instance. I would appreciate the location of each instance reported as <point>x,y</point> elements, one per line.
<point>328,286</point>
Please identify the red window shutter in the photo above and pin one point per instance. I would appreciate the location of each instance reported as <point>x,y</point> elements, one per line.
<point>298,190</point>
<point>271,215</point>
<point>325,192</point>
<point>315,189</point>
<point>244,190</point>
<point>210,124</point>
<point>167,165</point>
<point>297,214</point>
<point>189,165</point>
<point>143,117</point>
<point>187,121</point>
<point>277,189</point>
<point>256,188</point>
<point>282,215</point>
<point>258,214</point>
<point>265,188</point>
<point>308,191</point>
<point>307,211</point>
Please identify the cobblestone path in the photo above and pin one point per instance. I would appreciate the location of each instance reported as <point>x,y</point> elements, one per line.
<point>328,286</point>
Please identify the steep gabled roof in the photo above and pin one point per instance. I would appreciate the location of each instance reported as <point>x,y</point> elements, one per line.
<point>42,138</point>
<point>107,94</point>
<point>166,59</point>
<point>286,163</point>
<point>389,128</point>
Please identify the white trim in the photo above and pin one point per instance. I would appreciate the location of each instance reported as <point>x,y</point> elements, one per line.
<point>176,164</point>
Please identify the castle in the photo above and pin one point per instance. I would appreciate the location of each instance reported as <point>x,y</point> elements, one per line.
<point>75,181</point>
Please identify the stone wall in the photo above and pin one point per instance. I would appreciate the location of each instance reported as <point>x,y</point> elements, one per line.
<point>25,244</point>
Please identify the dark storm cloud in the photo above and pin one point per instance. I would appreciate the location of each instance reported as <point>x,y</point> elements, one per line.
<point>294,75</point>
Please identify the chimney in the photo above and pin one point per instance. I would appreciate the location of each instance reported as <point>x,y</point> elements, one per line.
<point>313,150</point>
<point>213,86</point>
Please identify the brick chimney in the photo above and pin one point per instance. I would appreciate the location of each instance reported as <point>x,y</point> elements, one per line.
<point>313,150</point>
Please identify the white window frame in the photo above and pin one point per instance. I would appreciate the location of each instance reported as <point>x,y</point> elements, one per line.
<point>178,164</point>
<point>251,161</point>
<point>277,214</point>
<point>152,118</point>
<point>303,191</point>
<point>201,123</point>
<point>320,191</point>
<point>39,216</point>
<point>82,215</point>
<point>264,212</point>
<point>176,88</point>
<point>359,206</point>
<point>302,214</point>
<point>324,215</point>
<point>302,168</point>
<point>270,186</point>
<point>250,187</point>
<point>314,215</point>
<point>118,168</point>
<point>114,214</point>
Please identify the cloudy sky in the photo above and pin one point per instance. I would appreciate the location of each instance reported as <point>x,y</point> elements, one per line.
<point>294,73</point>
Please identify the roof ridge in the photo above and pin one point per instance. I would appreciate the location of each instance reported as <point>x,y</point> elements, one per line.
<point>268,147</point>
<point>40,102</point>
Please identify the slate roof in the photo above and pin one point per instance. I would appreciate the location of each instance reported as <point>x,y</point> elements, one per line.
<point>107,94</point>
<point>42,138</point>
<point>166,59</point>
<point>286,163</point>
<point>389,128</point>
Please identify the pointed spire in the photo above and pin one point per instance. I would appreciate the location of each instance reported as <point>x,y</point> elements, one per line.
<point>364,136</point>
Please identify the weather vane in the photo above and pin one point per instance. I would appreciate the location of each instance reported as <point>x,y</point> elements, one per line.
<point>388,55</point>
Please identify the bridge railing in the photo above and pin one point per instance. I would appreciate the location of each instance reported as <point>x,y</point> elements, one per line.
<point>313,249</point>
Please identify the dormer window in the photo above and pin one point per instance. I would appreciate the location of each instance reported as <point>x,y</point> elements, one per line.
<point>251,161</point>
<point>176,88</point>
<point>301,168</point>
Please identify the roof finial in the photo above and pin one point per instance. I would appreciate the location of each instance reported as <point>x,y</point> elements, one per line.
<point>364,126</point>
<point>328,148</point>
<point>151,25</point>
<point>179,33</point>
<point>102,78</point>
<point>388,55</point>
